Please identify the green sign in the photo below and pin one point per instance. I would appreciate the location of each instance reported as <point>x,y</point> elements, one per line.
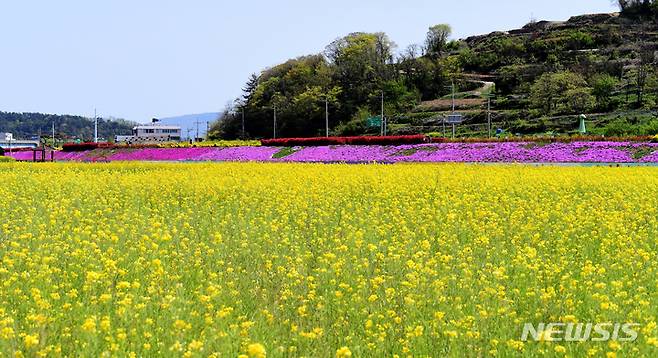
<point>375,121</point>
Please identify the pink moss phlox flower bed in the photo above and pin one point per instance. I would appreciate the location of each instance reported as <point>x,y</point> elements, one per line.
<point>501,152</point>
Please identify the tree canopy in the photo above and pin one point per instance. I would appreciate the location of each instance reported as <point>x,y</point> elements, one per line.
<point>26,125</point>
<point>348,78</point>
<point>638,7</point>
<point>437,39</point>
<point>600,62</point>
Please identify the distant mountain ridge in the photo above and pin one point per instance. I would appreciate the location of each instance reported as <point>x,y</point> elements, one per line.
<point>188,123</point>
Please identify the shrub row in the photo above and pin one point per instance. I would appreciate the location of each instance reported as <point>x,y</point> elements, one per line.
<point>14,150</point>
<point>215,143</point>
<point>364,140</point>
<point>560,139</point>
<point>81,147</point>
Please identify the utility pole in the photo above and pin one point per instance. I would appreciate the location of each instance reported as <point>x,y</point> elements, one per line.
<point>197,122</point>
<point>207,129</point>
<point>453,96</point>
<point>95,126</point>
<point>383,124</point>
<point>197,130</point>
<point>443,122</point>
<point>489,114</point>
<point>274,132</point>
<point>453,106</point>
<point>326,115</point>
<point>53,143</point>
<point>242,122</point>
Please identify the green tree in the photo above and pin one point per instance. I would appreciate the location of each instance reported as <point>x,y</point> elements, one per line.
<point>603,86</point>
<point>436,40</point>
<point>361,64</point>
<point>550,92</point>
<point>578,100</point>
<point>228,126</point>
<point>425,76</point>
<point>250,87</point>
<point>635,7</point>
<point>298,88</point>
<point>646,58</point>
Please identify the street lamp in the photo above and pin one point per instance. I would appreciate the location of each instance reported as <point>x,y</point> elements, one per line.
<point>242,122</point>
<point>95,126</point>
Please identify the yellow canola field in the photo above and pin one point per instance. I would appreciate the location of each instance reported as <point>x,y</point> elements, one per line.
<point>138,259</point>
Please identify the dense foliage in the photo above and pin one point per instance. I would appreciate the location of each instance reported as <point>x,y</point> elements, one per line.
<point>349,79</point>
<point>639,7</point>
<point>28,125</point>
<point>364,140</point>
<point>86,146</point>
<point>538,76</point>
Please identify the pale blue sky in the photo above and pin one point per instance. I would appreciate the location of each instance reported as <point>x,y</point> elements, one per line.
<point>137,59</point>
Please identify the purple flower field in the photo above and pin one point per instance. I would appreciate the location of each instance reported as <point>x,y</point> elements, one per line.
<point>503,152</point>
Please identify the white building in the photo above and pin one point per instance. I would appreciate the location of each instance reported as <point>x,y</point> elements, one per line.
<point>149,133</point>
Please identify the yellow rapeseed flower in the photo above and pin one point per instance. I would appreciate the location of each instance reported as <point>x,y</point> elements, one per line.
<point>256,350</point>
<point>343,352</point>
<point>191,258</point>
<point>30,340</point>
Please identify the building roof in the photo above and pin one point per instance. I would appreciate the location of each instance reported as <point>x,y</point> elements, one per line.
<point>155,126</point>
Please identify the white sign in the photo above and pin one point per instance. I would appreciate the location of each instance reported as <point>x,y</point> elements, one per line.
<point>9,137</point>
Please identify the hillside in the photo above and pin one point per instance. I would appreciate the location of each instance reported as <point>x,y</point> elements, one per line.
<point>29,125</point>
<point>608,62</point>
<point>540,78</point>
